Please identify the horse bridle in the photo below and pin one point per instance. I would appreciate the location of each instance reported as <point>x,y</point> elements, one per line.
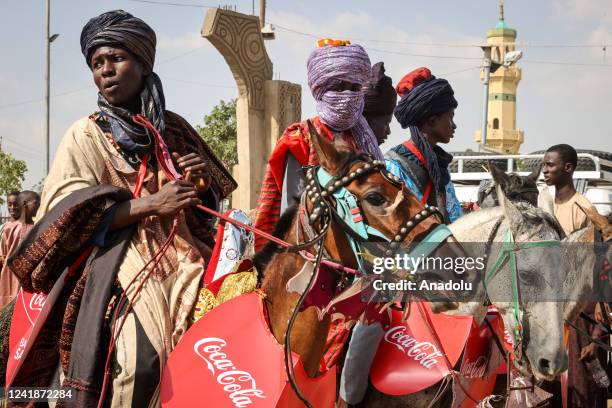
<point>508,254</point>
<point>324,209</point>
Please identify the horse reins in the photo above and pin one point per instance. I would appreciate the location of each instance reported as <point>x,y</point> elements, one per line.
<point>323,211</point>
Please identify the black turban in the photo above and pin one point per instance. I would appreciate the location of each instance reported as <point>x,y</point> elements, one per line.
<point>121,29</point>
<point>380,96</point>
<point>423,95</point>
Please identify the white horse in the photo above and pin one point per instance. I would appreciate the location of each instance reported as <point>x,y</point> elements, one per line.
<point>541,322</point>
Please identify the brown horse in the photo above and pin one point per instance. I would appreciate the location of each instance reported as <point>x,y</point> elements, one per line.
<point>385,204</point>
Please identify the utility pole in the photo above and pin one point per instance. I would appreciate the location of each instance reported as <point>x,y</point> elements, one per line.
<point>262,13</point>
<point>486,75</point>
<point>48,41</point>
<point>47,84</point>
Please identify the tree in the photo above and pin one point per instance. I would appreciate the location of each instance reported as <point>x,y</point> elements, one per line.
<point>12,173</point>
<point>219,132</point>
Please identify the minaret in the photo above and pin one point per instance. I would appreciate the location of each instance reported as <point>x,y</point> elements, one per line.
<point>502,134</point>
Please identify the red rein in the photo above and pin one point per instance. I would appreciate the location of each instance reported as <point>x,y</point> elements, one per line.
<point>165,162</point>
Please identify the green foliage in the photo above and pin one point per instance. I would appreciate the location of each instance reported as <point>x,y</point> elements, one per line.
<point>12,173</point>
<point>219,132</point>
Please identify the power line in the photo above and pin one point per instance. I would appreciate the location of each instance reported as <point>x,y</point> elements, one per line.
<point>423,55</point>
<point>446,44</point>
<point>181,55</point>
<point>27,102</point>
<point>200,83</point>
<point>577,64</point>
<point>164,3</point>
<point>451,56</point>
<point>11,105</point>
<point>431,44</point>
<point>459,71</point>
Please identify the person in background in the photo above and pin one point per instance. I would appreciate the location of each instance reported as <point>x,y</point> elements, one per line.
<point>27,205</point>
<point>380,101</point>
<point>427,107</point>
<point>586,377</point>
<point>13,209</point>
<point>560,162</point>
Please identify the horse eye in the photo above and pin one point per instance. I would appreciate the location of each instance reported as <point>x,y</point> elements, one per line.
<point>375,198</point>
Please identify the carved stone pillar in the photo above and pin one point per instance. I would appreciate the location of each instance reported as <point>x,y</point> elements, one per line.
<point>264,107</point>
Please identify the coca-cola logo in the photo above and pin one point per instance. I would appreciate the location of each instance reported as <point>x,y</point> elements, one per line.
<point>21,348</point>
<point>423,352</point>
<point>474,369</point>
<point>239,384</point>
<point>37,301</point>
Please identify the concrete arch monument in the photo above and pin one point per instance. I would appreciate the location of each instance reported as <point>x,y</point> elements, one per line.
<point>265,107</point>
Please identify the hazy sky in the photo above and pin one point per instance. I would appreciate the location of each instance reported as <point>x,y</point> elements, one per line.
<point>557,102</point>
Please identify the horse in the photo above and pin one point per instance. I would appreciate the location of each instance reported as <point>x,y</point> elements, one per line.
<point>515,187</point>
<point>544,355</point>
<point>385,205</point>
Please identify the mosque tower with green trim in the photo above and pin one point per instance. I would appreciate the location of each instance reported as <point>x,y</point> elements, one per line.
<point>502,133</point>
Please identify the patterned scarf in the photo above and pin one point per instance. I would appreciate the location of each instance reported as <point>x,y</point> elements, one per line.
<point>133,138</point>
<point>437,159</point>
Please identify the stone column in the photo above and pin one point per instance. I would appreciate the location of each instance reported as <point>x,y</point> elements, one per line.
<point>264,107</point>
<point>283,107</point>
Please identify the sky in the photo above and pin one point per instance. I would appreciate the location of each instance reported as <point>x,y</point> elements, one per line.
<point>564,96</point>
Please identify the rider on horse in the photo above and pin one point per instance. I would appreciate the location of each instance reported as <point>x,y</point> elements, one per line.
<point>120,214</point>
<point>337,71</point>
<point>427,107</point>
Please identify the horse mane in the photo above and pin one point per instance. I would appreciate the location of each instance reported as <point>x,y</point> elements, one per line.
<point>534,215</point>
<point>262,258</point>
<point>516,186</point>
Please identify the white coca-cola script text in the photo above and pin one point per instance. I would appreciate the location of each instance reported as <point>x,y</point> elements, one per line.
<point>239,384</point>
<point>422,351</point>
<point>37,301</point>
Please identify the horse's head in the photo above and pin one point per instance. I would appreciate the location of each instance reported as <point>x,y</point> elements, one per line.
<point>515,187</point>
<point>523,288</point>
<point>381,200</point>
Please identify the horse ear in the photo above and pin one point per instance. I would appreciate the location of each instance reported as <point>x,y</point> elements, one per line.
<point>512,213</point>
<point>535,174</point>
<point>499,176</point>
<point>329,157</point>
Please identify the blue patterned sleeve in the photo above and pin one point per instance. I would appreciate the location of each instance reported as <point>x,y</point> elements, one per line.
<point>453,206</point>
<point>394,168</point>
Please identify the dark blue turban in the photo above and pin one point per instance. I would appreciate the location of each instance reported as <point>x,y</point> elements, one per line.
<point>423,95</point>
<point>121,29</point>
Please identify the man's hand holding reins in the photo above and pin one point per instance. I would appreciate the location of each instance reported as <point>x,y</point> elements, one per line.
<point>193,167</point>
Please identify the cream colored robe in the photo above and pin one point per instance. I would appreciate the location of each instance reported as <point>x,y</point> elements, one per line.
<point>87,157</point>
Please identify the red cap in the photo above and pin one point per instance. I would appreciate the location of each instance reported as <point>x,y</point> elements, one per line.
<point>412,79</point>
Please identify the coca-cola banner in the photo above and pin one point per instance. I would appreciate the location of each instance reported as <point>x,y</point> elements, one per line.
<point>478,370</point>
<point>409,359</point>
<point>229,358</point>
<point>31,310</point>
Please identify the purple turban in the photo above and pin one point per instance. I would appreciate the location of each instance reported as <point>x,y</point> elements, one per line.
<point>328,66</point>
